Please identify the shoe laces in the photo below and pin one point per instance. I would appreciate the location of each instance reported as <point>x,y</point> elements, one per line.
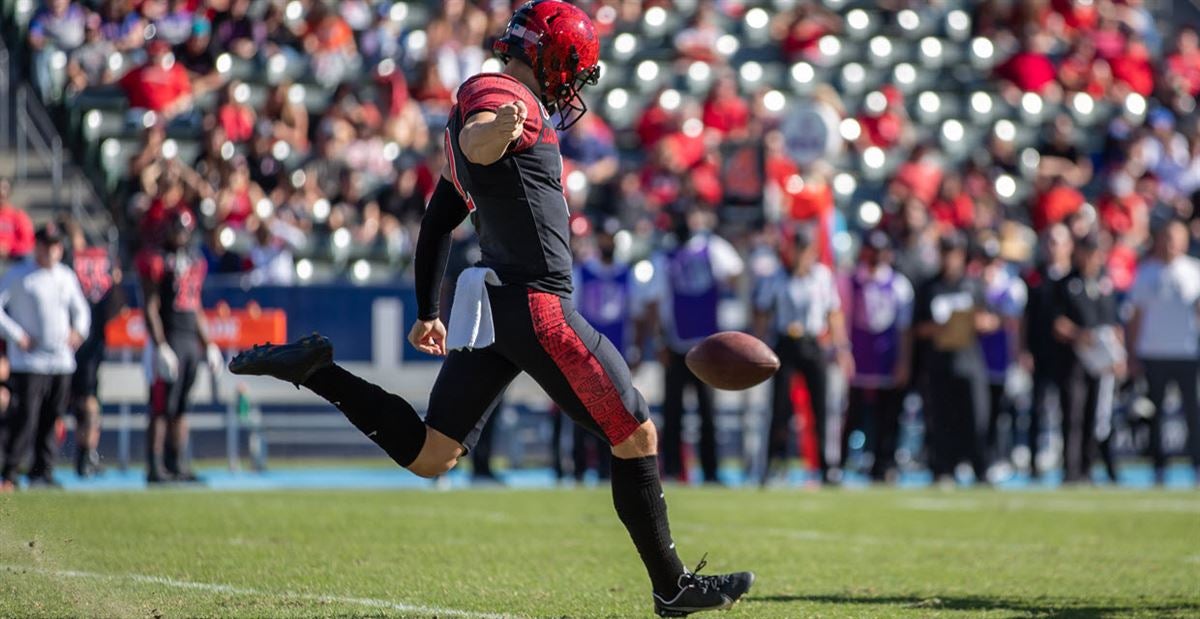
<point>702,583</point>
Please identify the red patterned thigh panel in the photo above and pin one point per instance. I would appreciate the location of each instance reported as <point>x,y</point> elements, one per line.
<point>580,367</point>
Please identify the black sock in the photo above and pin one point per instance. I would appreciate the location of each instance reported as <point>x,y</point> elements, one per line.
<point>638,497</point>
<point>384,417</point>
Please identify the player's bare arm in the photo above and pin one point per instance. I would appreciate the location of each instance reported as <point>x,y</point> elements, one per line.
<point>486,137</point>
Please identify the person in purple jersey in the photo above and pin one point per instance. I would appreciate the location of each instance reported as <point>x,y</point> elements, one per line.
<point>604,296</point>
<point>513,311</point>
<point>683,295</point>
<point>879,318</point>
<point>1004,295</point>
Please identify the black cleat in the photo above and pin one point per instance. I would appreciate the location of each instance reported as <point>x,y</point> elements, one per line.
<point>293,363</point>
<point>700,593</point>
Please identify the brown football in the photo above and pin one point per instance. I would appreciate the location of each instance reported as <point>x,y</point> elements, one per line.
<point>732,360</point>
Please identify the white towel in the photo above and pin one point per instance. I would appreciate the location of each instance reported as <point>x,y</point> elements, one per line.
<point>471,316</point>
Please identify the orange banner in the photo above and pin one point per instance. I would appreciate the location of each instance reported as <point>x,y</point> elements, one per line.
<point>229,328</point>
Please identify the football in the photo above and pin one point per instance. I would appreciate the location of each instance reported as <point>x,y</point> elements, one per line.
<point>732,360</point>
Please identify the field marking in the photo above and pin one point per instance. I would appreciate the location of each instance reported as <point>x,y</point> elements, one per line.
<point>433,611</point>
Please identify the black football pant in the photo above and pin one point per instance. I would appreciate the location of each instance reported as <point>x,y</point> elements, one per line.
<point>1184,373</point>
<point>38,400</point>
<point>804,356</point>
<point>881,407</point>
<point>676,378</point>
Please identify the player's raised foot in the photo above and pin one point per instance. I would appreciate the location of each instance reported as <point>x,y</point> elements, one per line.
<point>293,362</point>
<point>700,593</point>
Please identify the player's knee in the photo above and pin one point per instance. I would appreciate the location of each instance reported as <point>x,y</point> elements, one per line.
<point>432,467</point>
<point>438,455</point>
<point>643,442</point>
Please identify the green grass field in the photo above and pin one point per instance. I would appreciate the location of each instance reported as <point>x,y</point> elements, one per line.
<point>562,553</point>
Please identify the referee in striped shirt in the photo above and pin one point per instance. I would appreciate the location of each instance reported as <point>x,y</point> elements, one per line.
<point>803,313</point>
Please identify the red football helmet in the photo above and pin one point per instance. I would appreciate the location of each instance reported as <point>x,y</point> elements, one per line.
<point>558,41</point>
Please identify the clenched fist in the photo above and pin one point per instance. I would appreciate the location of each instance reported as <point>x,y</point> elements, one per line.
<point>510,120</point>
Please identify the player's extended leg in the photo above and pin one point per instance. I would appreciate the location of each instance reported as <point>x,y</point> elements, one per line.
<point>583,372</point>
<point>466,390</point>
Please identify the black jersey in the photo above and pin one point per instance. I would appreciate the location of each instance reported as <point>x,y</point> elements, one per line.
<point>178,277</point>
<point>517,203</point>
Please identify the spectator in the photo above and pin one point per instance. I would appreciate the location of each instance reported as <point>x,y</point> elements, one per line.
<point>880,306</point>
<point>88,65</point>
<point>1030,69</point>
<point>1164,335</point>
<point>122,25</point>
<point>950,314</point>
<point>221,260</point>
<point>1057,203</point>
<point>1132,71</point>
<point>197,57</point>
<point>44,318</point>
<point>1058,156</point>
<point>174,21</point>
<point>1183,66</point>
<point>330,43</point>
<point>16,230</point>
<point>161,85</point>
<point>271,256</point>
<point>1085,320</point>
<point>56,30</point>
<point>682,302</point>
<point>239,32</point>
<point>234,114</point>
<point>285,111</point>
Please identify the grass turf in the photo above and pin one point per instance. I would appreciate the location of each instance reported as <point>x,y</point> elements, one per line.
<point>562,553</point>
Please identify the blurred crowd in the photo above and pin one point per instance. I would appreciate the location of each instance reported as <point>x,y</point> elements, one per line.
<point>1072,168</point>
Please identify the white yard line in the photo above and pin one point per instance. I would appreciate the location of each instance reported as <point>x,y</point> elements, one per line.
<point>432,611</point>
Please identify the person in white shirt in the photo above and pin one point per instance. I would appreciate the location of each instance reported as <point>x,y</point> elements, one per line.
<point>803,313</point>
<point>681,298</point>
<point>1164,334</point>
<point>45,318</point>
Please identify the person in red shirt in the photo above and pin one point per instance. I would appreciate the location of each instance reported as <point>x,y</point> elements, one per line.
<point>886,128</point>
<point>1056,204</point>
<point>724,110</point>
<point>16,230</point>
<point>236,117</point>
<point>656,123</point>
<point>1030,69</point>
<point>1184,65</point>
<point>920,176</point>
<point>953,207</point>
<point>161,85</point>
<point>1132,68</point>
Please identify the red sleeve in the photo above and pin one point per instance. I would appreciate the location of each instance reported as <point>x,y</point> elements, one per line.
<point>22,235</point>
<point>149,266</point>
<point>487,92</point>
<point>180,81</point>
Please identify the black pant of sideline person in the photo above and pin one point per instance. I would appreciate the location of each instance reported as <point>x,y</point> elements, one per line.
<point>1080,397</point>
<point>678,377</point>
<point>1184,373</point>
<point>38,400</point>
<point>1039,406</point>
<point>805,356</point>
<point>884,406</point>
<point>956,405</point>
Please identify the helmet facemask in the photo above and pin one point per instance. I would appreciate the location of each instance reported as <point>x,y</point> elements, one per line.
<point>567,103</point>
